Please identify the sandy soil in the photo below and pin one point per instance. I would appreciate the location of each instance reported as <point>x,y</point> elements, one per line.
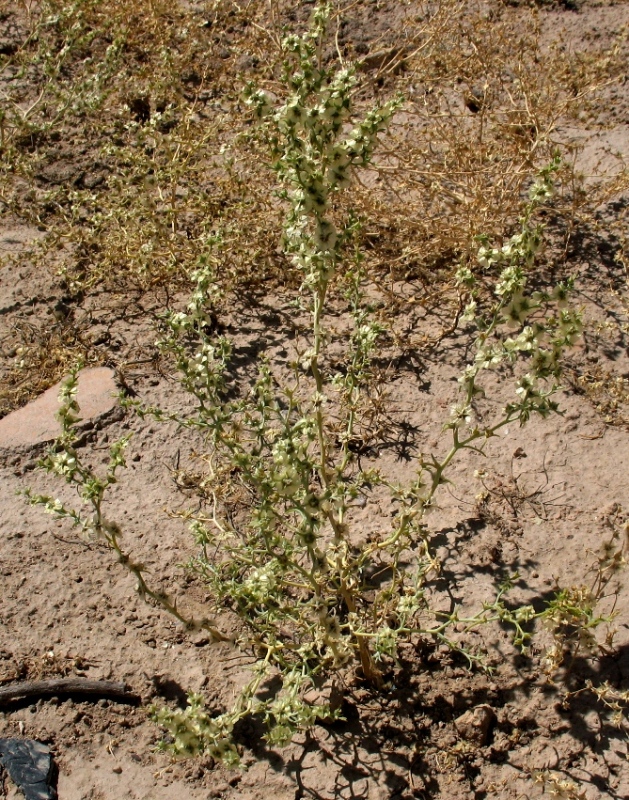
<point>552,493</point>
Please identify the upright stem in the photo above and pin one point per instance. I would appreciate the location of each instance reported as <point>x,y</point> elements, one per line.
<point>319,304</point>
<point>319,296</point>
<point>371,672</point>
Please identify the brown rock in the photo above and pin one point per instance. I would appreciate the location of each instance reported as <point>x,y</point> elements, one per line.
<point>329,693</point>
<point>391,57</point>
<point>37,422</point>
<point>61,172</point>
<point>474,725</point>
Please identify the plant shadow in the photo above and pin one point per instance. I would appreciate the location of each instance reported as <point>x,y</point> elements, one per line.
<point>404,742</point>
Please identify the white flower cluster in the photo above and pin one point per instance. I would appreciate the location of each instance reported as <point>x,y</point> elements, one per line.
<point>194,731</point>
<point>290,459</point>
<point>365,337</point>
<point>409,603</point>
<point>202,369</point>
<point>311,158</point>
<point>259,586</point>
<point>63,464</point>
<point>68,414</point>
<point>196,316</point>
<point>201,365</point>
<point>385,643</point>
<point>523,246</point>
<point>543,340</point>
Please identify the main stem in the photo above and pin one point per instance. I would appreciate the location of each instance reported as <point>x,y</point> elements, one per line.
<point>371,672</point>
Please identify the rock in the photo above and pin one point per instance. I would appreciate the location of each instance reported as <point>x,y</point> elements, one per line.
<point>37,422</point>
<point>61,172</point>
<point>219,790</point>
<point>328,694</point>
<point>93,180</point>
<point>383,59</point>
<point>541,755</point>
<point>247,62</point>
<point>30,765</point>
<point>474,725</point>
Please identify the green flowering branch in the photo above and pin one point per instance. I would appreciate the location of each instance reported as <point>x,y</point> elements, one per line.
<point>64,460</point>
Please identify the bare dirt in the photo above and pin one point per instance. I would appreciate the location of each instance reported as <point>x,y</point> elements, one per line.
<point>550,496</point>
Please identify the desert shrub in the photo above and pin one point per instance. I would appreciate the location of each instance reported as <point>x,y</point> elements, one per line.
<point>140,105</point>
<point>280,541</point>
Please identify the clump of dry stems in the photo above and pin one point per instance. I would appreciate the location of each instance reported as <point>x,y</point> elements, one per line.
<point>141,105</point>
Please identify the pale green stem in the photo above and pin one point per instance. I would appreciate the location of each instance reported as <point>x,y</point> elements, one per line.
<point>145,590</point>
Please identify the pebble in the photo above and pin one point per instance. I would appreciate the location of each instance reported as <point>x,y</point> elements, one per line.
<point>218,791</point>
<point>474,724</point>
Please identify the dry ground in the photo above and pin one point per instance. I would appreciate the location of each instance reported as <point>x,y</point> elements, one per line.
<point>77,280</point>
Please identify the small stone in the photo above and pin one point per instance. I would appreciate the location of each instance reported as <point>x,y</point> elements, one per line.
<point>328,694</point>
<point>93,179</point>
<point>474,724</point>
<point>218,791</point>
<point>61,172</point>
<point>117,770</point>
<point>382,59</point>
